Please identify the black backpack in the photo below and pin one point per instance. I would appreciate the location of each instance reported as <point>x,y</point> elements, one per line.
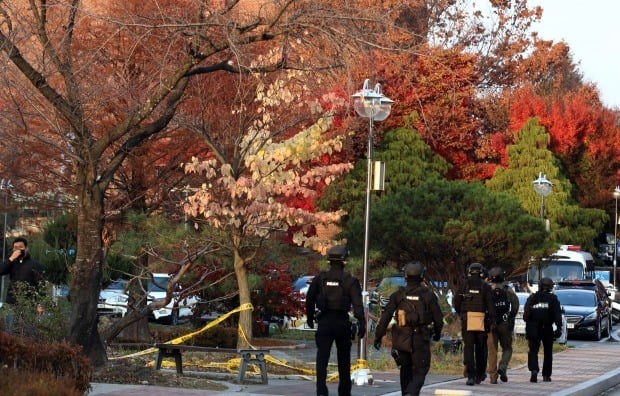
<point>334,292</point>
<point>414,308</point>
<point>502,303</point>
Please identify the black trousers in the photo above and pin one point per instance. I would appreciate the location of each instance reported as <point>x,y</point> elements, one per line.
<point>415,365</point>
<point>333,327</point>
<point>532,355</point>
<point>475,353</point>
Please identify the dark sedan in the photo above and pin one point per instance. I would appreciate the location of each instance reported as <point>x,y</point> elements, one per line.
<point>585,313</point>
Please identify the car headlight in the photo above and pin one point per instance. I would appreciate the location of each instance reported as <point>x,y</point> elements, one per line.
<point>592,316</point>
<point>117,299</point>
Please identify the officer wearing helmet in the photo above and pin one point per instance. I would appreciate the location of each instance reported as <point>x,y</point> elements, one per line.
<point>418,318</point>
<point>474,304</point>
<point>333,292</point>
<point>542,310</point>
<point>506,308</point>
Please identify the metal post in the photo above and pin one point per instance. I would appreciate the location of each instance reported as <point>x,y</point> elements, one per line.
<point>362,347</point>
<point>615,239</point>
<point>542,207</point>
<point>4,278</point>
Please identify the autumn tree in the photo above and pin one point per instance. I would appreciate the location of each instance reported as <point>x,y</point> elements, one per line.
<point>583,134</point>
<point>246,185</point>
<point>87,83</point>
<point>527,157</point>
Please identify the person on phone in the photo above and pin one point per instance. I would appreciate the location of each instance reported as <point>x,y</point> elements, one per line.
<point>21,267</point>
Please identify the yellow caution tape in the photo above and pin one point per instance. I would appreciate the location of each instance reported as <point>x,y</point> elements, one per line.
<point>232,365</point>
<point>186,337</point>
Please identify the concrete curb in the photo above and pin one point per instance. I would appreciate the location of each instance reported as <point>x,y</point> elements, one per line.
<point>593,386</point>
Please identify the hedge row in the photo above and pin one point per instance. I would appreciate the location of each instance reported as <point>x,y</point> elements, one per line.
<point>59,360</point>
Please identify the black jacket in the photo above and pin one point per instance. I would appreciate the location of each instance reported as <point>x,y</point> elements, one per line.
<point>543,308</point>
<point>354,294</point>
<point>464,301</point>
<point>25,269</point>
<point>430,301</point>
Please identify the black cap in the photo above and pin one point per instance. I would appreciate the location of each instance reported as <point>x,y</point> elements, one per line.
<point>338,253</point>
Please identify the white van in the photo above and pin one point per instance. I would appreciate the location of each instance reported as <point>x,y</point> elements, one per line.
<point>568,263</point>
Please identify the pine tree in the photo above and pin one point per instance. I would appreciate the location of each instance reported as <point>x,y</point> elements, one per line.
<point>529,156</point>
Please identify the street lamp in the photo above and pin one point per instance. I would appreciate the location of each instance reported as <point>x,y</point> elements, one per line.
<point>371,104</point>
<point>616,195</point>
<point>543,187</point>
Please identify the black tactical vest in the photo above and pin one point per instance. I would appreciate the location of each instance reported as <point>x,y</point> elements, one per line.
<point>334,293</point>
<point>473,299</point>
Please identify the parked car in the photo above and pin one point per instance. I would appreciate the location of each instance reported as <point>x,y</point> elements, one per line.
<point>520,323</point>
<point>586,313</point>
<point>301,285</point>
<point>177,307</point>
<point>599,287</point>
<point>113,300</point>
<point>386,287</point>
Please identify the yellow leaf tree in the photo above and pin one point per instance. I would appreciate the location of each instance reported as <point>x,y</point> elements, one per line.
<point>245,189</point>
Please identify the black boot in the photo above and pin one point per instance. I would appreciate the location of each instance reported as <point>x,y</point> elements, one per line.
<point>534,376</point>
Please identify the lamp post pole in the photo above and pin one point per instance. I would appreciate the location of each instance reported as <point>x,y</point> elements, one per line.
<point>4,185</point>
<point>371,104</point>
<point>616,195</point>
<point>543,187</point>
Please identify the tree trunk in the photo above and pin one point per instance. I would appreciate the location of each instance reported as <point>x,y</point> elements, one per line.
<point>245,317</point>
<point>87,271</point>
<point>137,330</point>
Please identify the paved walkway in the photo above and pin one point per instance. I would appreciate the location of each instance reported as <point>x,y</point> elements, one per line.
<point>586,370</point>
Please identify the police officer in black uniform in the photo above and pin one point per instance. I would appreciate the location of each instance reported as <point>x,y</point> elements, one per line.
<point>542,309</point>
<point>506,308</point>
<point>475,296</point>
<point>333,292</point>
<point>420,301</point>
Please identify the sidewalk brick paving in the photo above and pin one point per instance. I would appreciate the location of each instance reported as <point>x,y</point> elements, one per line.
<point>576,371</point>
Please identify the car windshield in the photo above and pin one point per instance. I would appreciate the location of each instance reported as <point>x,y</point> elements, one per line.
<point>117,285</point>
<point>556,270</point>
<point>158,284</point>
<point>390,284</point>
<point>568,297</point>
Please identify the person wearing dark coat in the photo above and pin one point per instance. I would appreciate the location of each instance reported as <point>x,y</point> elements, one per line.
<point>21,267</point>
<point>474,304</point>
<point>542,310</point>
<point>420,305</point>
<point>334,292</point>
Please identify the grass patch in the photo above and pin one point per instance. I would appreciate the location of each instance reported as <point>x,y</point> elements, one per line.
<point>295,334</point>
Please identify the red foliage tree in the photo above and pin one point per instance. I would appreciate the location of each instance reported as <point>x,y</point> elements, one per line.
<point>583,135</point>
